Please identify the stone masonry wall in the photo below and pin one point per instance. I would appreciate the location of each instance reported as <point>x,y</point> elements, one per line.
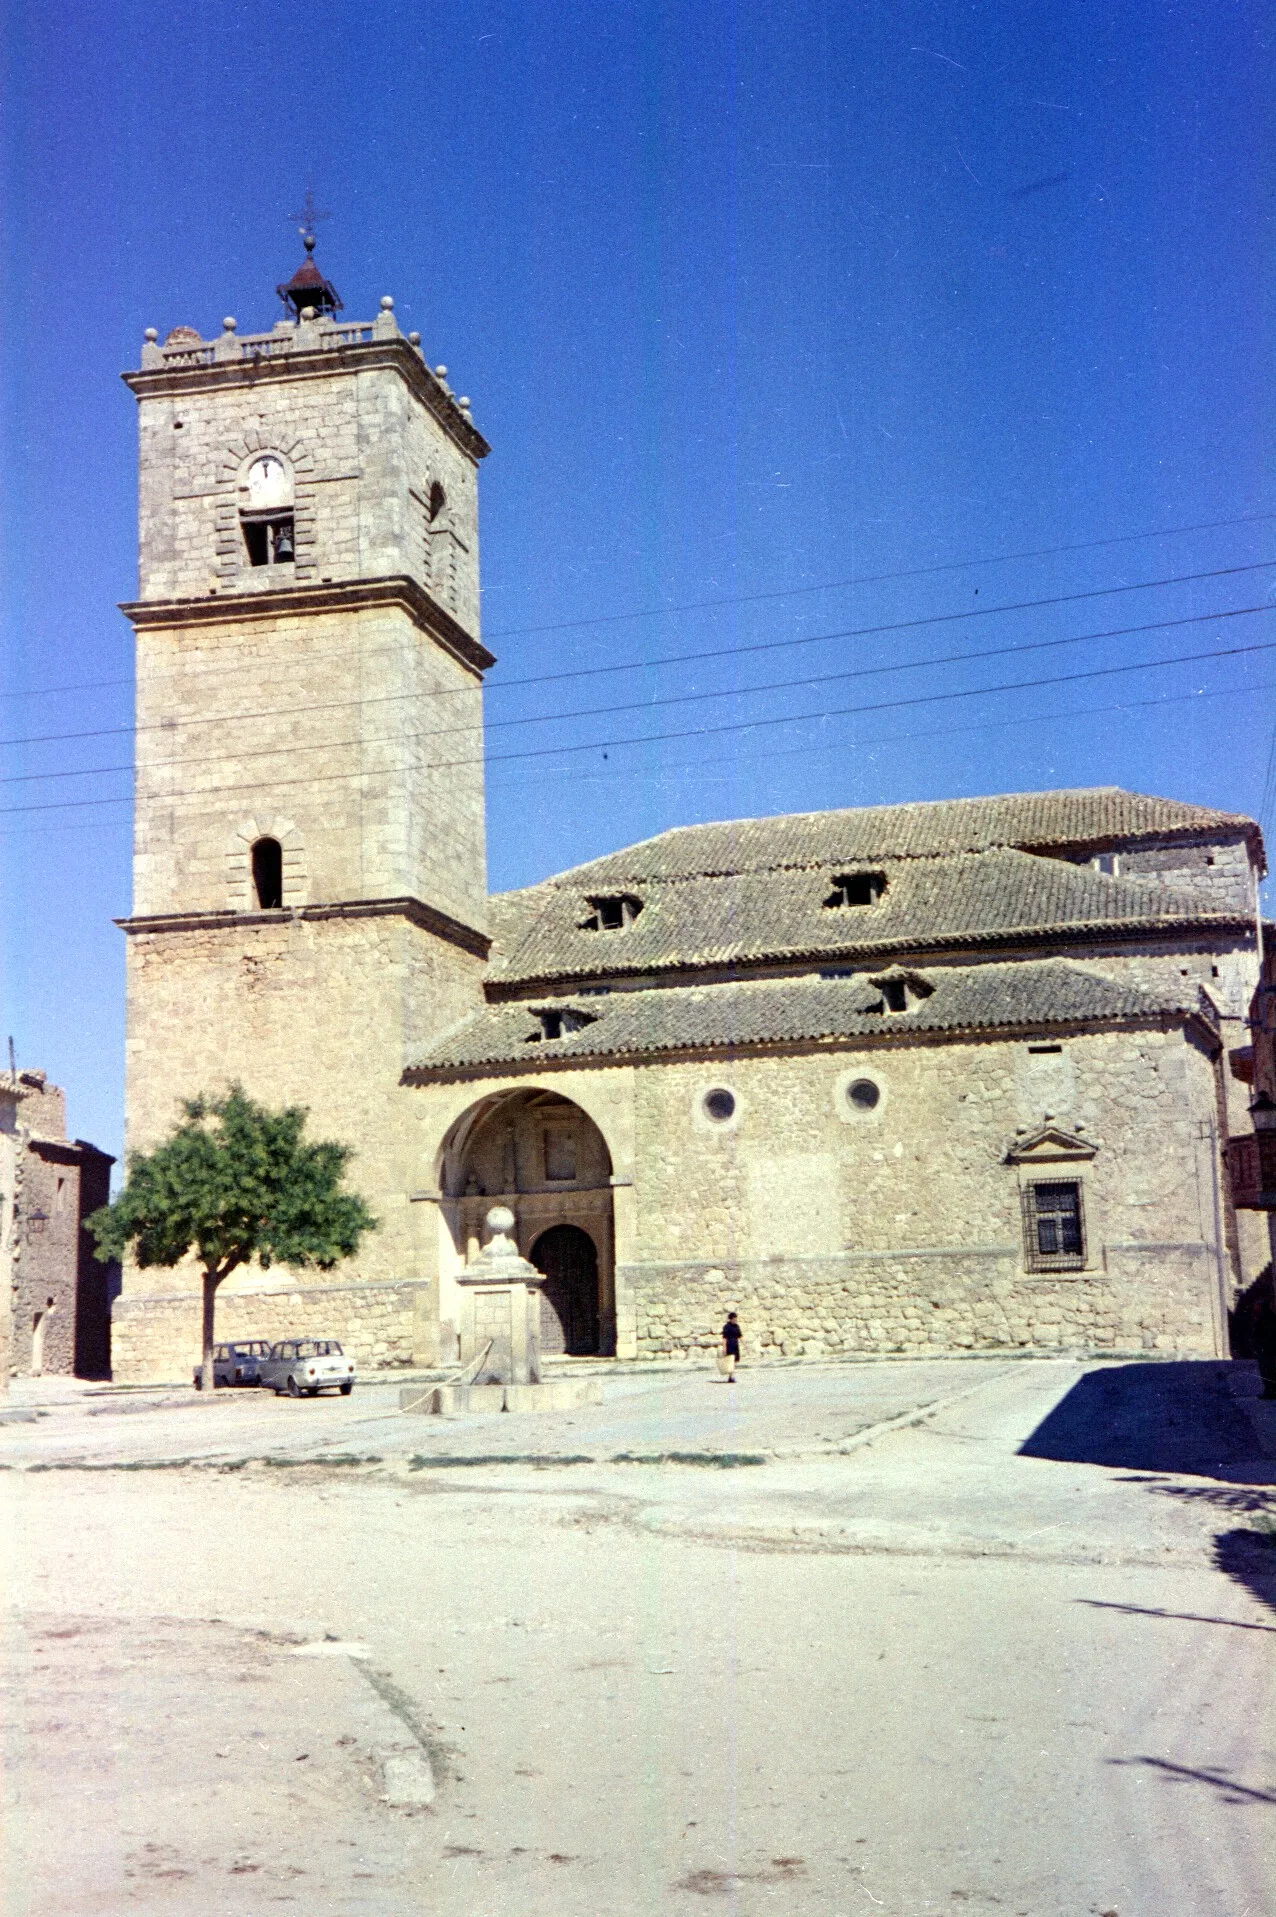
<point>306,1012</point>
<point>920,1303</point>
<point>902,1226</point>
<point>157,1337</point>
<point>351,737</point>
<point>362,453</point>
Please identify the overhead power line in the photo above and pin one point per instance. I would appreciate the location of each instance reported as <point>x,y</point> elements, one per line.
<point>699,732</point>
<point>811,748</point>
<point>740,599</point>
<point>876,579</point>
<point>291,748</point>
<point>770,645</point>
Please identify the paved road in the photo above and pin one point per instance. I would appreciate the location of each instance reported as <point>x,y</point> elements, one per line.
<point>780,1411</point>
<point>1015,1657</point>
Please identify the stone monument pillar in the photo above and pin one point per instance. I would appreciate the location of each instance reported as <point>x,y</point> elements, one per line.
<point>501,1306</point>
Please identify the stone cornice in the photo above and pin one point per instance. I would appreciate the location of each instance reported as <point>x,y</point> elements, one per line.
<point>317,362</point>
<point>427,917</point>
<point>340,595</point>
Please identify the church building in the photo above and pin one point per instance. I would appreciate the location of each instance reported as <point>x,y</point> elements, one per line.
<point>932,1077</point>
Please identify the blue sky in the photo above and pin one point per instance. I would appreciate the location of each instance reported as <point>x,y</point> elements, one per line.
<point>752,302</point>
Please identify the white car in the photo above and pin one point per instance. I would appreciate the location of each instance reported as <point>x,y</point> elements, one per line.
<point>235,1364</point>
<point>307,1366</point>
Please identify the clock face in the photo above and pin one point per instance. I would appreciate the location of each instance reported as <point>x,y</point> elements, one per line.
<point>268,483</point>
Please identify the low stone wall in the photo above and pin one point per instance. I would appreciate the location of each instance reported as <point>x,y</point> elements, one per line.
<point>381,1326</point>
<point>1143,1298</point>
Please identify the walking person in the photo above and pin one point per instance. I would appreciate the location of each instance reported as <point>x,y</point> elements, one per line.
<point>731,1335</point>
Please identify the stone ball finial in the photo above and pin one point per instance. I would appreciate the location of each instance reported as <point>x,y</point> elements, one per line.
<point>230,323</point>
<point>307,312</point>
<point>464,403</point>
<point>440,372</point>
<point>387,304</point>
<point>414,339</point>
<point>500,1219</point>
<point>151,334</point>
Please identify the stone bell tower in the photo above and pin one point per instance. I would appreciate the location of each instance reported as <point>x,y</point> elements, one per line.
<point>309,870</point>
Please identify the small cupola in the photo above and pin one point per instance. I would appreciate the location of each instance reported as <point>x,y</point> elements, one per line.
<point>308,288</point>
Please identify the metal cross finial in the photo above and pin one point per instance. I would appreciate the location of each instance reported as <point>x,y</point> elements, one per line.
<point>309,216</point>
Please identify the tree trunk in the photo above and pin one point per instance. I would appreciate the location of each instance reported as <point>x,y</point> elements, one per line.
<point>211,1281</point>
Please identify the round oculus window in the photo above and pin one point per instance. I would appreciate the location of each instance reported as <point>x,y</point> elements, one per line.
<point>719,1104</point>
<point>862,1094</point>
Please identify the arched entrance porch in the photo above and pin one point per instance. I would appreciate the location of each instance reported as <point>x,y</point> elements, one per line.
<point>544,1157</point>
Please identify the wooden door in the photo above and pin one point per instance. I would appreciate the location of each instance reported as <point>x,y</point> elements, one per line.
<point>569,1302</point>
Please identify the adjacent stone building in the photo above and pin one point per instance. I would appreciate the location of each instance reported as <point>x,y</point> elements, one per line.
<point>57,1294</point>
<point>924,1077</point>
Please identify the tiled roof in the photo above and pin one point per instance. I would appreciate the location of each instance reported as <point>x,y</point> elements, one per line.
<point>1043,994</point>
<point>779,914</point>
<point>1084,816</point>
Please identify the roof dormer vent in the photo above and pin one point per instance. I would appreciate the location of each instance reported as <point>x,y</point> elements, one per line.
<point>558,1021</point>
<point>611,914</point>
<point>900,990</point>
<point>855,888</point>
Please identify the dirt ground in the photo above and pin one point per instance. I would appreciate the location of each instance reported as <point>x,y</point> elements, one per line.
<point>896,1638</point>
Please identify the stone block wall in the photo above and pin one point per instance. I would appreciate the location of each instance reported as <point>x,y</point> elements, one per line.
<point>156,1337</point>
<point>299,1011</point>
<point>920,1303</point>
<point>800,1170</point>
<point>350,736</point>
<point>362,452</point>
<point>57,1294</point>
<point>1214,867</point>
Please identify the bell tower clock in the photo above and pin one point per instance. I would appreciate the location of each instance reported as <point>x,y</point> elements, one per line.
<point>309,866</point>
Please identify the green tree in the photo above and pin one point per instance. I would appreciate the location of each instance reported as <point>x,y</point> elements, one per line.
<point>234,1182</point>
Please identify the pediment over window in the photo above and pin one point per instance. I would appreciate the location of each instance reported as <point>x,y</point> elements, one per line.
<point>1050,1145</point>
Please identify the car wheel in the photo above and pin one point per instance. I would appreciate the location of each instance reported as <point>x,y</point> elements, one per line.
<point>294,1390</point>
<point>347,1387</point>
<point>199,1381</point>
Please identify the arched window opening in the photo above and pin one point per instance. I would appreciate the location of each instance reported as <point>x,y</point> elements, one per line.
<point>268,874</point>
<point>438,500</point>
<point>266,513</point>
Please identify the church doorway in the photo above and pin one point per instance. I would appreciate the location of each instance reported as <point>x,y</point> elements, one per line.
<point>541,1155</point>
<point>569,1302</point>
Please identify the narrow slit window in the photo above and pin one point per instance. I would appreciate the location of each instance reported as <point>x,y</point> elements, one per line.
<point>268,874</point>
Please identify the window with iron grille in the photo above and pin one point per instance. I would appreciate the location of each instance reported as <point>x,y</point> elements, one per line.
<point>1054,1226</point>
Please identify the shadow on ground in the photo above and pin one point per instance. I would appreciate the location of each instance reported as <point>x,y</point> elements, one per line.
<point>1154,1417</point>
<point>1249,1559</point>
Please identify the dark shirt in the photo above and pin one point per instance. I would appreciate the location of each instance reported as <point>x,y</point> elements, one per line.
<point>731,1338</point>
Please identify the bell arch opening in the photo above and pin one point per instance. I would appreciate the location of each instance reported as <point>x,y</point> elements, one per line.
<point>543,1156</point>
